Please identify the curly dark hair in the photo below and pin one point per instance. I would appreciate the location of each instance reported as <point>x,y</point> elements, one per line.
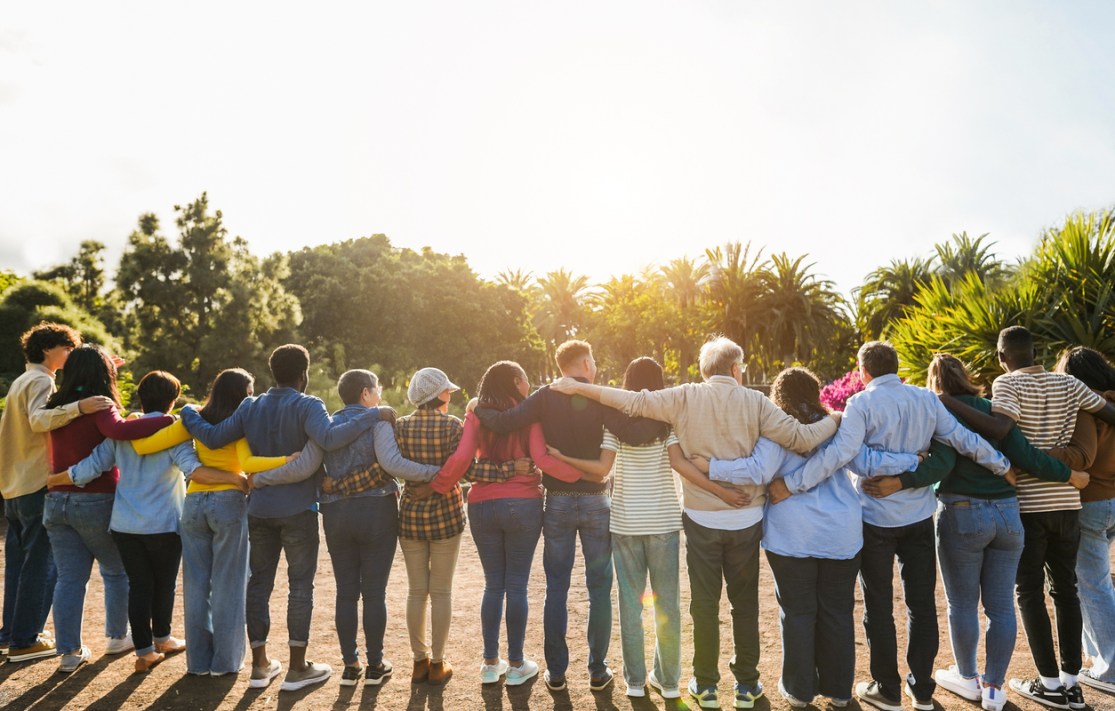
<point>47,335</point>
<point>798,392</point>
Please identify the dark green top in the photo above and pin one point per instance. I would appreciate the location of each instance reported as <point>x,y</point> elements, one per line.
<point>951,473</point>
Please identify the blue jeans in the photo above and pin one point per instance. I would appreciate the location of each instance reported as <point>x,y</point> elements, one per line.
<point>979,543</point>
<point>29,572</point>
<point>297,537</point>
<point>78,528</point>
<point>361,534</point>
<point>506,534</point>
<point>214,533</point>
<point>1093,576</point>
<point>636,557</point>
<point>566,517</point>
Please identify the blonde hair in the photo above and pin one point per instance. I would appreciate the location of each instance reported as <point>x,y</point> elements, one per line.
<point>947,374</point>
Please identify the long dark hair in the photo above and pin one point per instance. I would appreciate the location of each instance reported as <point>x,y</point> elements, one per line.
<point>798,392</point>
<point>947,374</point>
<point>644,373</point>
<point>88,371</point>
<point>498,391</point>
<point>228,390</point>
<point>1089,367</point>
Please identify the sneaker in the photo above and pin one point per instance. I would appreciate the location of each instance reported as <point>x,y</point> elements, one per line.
<point>794,701</point>
<point>554,683</point>
<point>993,699</point>
<point>41,648</point>
<point>1075,696</point>
<point>70,662</point>
<point>952,680</point>
<point>636,692</point>
<point>307,676</point>
<point>1035,690</point>
<point>869,692</point>
<point>919,704</point>
<point>668,692</point>
<point>351,674</point>
<point>706,697</point>
<point>747,695</point>
<point>490,673</point>
<point>3,649</point>
<point>520,674</point>
<point>440,672</point>
<point>374,676</point>
<point>838,703</point>
<point>262,676</point>
<point>599,683</point>
<point>119,645</point>
<point>1087,679</point>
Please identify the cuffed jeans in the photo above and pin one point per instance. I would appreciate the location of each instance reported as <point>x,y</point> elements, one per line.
<point>1052,540</point>
<point>151,562</point>
<point>297,537</point>
<point>78,528</point>
<point>914,547</point>
<point>979,543</point>
<point>635,558</point>
<point>361,534</point>
<point>29,572</point>
<point>716,557</point>
<point>1097,595</point>
<point>816,598</point>
<point>506,533</point>
<point>430,569</point>
<point>215,577</point>
<point>564,519</point>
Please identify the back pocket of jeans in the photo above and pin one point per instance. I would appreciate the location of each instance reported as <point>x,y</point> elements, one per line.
<point>965,518</point>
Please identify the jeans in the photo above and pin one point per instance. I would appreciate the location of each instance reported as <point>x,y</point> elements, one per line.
<point>506,533</point>
<point>979,542</point>
<point>29,572</point>
<point>361,534</point>
<point>214,533</point>
<point>817,598</point>
<point>430,569</point>
<point>1052,540</point>
<point>296,536</point>
<point>151,562</point>
<point>1097,595</point>
<point>716,557</point>
<point>78,528</point>
<point>565,517</point>
<point>635,557</point>
<point>914,546</point>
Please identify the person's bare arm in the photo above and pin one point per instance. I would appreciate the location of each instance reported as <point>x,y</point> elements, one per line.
<point>688,471</point>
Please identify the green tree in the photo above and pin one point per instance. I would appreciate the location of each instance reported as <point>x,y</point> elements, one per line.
<point>8,279</point>
<point>31,302</point>
<point>963,255</point>
<point>685,281</point>
<point>887,293</point>
<point>83,277</point>
<point>802,314</point>
<point>737,283</point>
<point>561,310</point>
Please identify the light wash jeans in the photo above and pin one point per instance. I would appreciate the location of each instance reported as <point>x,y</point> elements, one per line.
<point>1093,577</point>
<point>78,528</point>
<point>979,544</point>
<point>635,558</point>
<point>214,532</point>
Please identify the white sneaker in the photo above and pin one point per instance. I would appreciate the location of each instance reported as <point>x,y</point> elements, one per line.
<point>262,676</point>
<point>70,662</point>
<point>794,701</point>
<point>490,673</point>
<point>1087,679</point>
<point>668,692</point>
<point>636,692</point>
<point>523,672</point>
<point>119,645</point>
<point>952,680</point>
<point>993,699</point>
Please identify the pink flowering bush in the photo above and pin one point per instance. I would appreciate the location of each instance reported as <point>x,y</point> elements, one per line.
<point>835,395</point>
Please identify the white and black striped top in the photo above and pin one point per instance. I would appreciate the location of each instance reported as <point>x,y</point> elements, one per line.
<point>645,494</point>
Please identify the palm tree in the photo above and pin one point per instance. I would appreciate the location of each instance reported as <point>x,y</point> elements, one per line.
<point>964,255</point>
<point>801,311</point>
<point>887,294</point>
<point>737,283</point>
<point>561,307</point>
<point>685,281</point>
<point>516,280</point>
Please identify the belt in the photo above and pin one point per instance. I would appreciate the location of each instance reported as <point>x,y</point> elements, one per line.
<point>565,492</point>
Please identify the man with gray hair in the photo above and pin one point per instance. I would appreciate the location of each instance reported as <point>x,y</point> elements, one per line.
<point>718,418</point>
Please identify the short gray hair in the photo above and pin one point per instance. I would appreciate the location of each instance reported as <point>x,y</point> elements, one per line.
<point>718,356</point>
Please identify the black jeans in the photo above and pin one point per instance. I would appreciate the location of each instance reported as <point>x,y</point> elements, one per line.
<point>1052,539</point>
<point>151,562</point>
<point>915,548</point>
<point>817,597</point>
<point>714,557</point>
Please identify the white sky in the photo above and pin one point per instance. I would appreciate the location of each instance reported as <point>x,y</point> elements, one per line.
<point>597,136</point>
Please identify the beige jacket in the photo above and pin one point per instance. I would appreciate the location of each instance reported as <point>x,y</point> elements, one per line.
<point>24,442</point>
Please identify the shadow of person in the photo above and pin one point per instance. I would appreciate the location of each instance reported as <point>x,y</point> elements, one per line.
<point>63,688</point>
<point>426,697</point>
<point>519,696</point>
<point>199,693</point>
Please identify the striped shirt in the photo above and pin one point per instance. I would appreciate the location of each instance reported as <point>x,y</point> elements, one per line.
<point>1044,405</point>
<point>645,491</point>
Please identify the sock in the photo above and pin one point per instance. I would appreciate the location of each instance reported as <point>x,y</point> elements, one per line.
<point>1051,682</point>
<point>1069,680</point>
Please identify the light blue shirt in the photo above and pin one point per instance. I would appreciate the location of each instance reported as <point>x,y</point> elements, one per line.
<point>892,416</point>
<point>151,489</point>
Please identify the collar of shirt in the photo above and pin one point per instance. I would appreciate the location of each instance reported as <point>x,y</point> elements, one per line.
<point>39,367</point>
<point>1030,369</point>
<point>722,380</point>
<point>884,380</point>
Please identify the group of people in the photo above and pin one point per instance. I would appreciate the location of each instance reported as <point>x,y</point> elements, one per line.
<point>1004,494</point>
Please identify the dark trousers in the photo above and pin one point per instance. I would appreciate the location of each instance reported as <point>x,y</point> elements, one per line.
<point>1052,539</point>
<point>29,573</point>
<point>817,597</point>
<point>151,562</point>
<point>296,536</point>
<point>714,557</point>
<point>915,548</point>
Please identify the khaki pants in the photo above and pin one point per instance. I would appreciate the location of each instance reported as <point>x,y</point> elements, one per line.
<point>430,569</point>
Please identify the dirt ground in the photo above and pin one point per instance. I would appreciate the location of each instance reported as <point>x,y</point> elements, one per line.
<point>108,682</point>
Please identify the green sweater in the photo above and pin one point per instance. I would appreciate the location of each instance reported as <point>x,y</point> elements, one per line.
<point>951,473</point>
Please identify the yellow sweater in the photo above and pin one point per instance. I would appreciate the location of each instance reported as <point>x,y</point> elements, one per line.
<point>236,457</point>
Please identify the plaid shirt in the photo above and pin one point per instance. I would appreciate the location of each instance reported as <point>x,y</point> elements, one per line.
<point>429,437</point>
<point>361,480</point>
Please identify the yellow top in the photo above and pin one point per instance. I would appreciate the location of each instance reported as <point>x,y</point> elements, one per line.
<point>236,457</point>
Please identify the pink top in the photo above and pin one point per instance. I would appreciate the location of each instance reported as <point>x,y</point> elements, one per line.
<point>526,486</point>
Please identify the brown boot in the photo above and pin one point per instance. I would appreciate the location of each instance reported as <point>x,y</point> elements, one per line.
<point>440,672</point>
<point>421,671</point>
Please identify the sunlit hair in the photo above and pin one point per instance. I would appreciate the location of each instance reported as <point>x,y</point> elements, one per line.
<point>798,392</point>
<point>88,371</point>
<point>1089,367</point>
<point>646,374</point>
<point>288,363</point>
<point>718,356</point>
<point>45,336</point>
<point>228,390</point>
<point>878,358</point>
<point>947,375</point>
<point>352,383</point>
<point>158,391</point>
<point>498,391</point>
<point>570,352</point>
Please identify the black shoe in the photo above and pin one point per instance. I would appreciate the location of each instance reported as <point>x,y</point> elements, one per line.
<point>1075,696</point>
<point>599,683</point>
<point>374,676</point>
<point>1035,690</point>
